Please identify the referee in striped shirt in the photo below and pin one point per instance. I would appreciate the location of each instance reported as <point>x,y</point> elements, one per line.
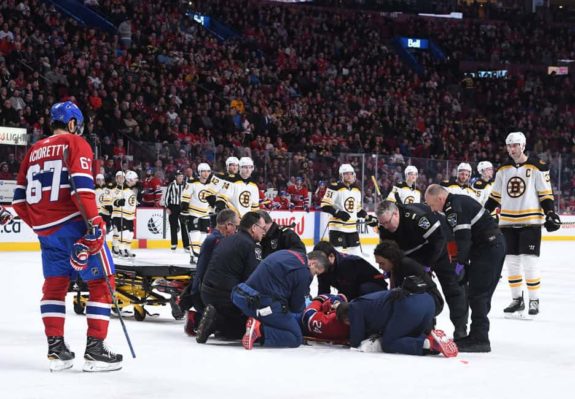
<point>173,205</point>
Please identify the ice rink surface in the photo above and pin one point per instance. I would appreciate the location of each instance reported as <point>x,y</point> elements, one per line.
<point>529,359</point>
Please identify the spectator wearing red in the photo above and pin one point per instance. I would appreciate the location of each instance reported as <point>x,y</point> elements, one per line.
<point>299,194</point>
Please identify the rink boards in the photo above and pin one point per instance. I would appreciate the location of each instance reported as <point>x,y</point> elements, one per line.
<point>152,230</point>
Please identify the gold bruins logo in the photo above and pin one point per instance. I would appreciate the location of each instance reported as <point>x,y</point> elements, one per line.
<point>132,200</point>
<point>202,195</point>
<point>409,200</point>
<point>515,187</point>
<point>349,204</point>
<point>102,198</point>
<point>244,199</point>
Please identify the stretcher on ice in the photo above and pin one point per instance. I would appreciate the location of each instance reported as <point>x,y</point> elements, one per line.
<point>144,282</point>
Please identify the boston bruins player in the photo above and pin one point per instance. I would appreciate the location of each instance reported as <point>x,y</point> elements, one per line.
<point>124,204</point>
<point>522,189</point>
<point>196,209</point>
<point>484,184</point>
<point>115,191</point>
<point>406,192</point>
<point>342,200</point>
<point>104,200</point>
<point>222,184</point>
<point>460,184</point>
<point>243,195</point>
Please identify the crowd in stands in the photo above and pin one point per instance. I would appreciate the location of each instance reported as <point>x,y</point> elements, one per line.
<point>298,87</point>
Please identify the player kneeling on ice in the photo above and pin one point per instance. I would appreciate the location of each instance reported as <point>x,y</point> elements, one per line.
<point>58,170</point>
<point>274,295</point>
<point>396,321</point>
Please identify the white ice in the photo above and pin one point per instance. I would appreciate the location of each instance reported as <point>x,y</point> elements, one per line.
<point>529,359</point>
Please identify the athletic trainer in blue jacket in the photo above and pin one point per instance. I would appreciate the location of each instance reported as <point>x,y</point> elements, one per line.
<point>396,321</point>
<point>274,295</point>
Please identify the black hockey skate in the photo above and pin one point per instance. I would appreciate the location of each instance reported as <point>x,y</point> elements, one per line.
<point>100,358</point>
<point>516,305</point>
<point>60,356</point>
<point>116,251</point>
<point>126,253</point>
<point>534,307</point>
<point>207,324</point>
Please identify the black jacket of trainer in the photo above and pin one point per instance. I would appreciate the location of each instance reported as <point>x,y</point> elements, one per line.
<point>233,261</point>
<point>281,237</point>
<point>348,274</point>
<point>420,234</point>
<point>471,224</point>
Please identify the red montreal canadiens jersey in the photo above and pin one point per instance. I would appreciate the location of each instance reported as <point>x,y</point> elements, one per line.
<point>43,196</point>
<point>320,322</point>
<point>152,191</point>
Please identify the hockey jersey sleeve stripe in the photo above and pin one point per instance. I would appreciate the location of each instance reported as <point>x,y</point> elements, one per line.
<point>429,232</point>
<point>89,176</point>
<point>83,190</point>
<point>83,182</point>
<point>547,197</point>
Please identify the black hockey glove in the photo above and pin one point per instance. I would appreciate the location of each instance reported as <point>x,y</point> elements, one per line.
<point>211,200</point>
<point>342,215</point>
<point>120,202</point>
<point>552,222</point>
<point>371,221</point>
<point>362,214</point>
<point>185,206</point>
<point>220,205</point>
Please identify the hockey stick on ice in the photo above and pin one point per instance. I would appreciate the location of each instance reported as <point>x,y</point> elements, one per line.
<point>89,226</point>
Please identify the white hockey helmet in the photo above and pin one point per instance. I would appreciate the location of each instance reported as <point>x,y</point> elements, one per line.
<point>410,169</point>
<point>120,173</point>
<point>464,166</point>
<point>481,166</point>
<point>131,177</point>
<point>232,161</point>
<point>246,161</point>
<point>100,176</point>
<point>204,167</point>
<point>345,168</point>
<point>516,138</point>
